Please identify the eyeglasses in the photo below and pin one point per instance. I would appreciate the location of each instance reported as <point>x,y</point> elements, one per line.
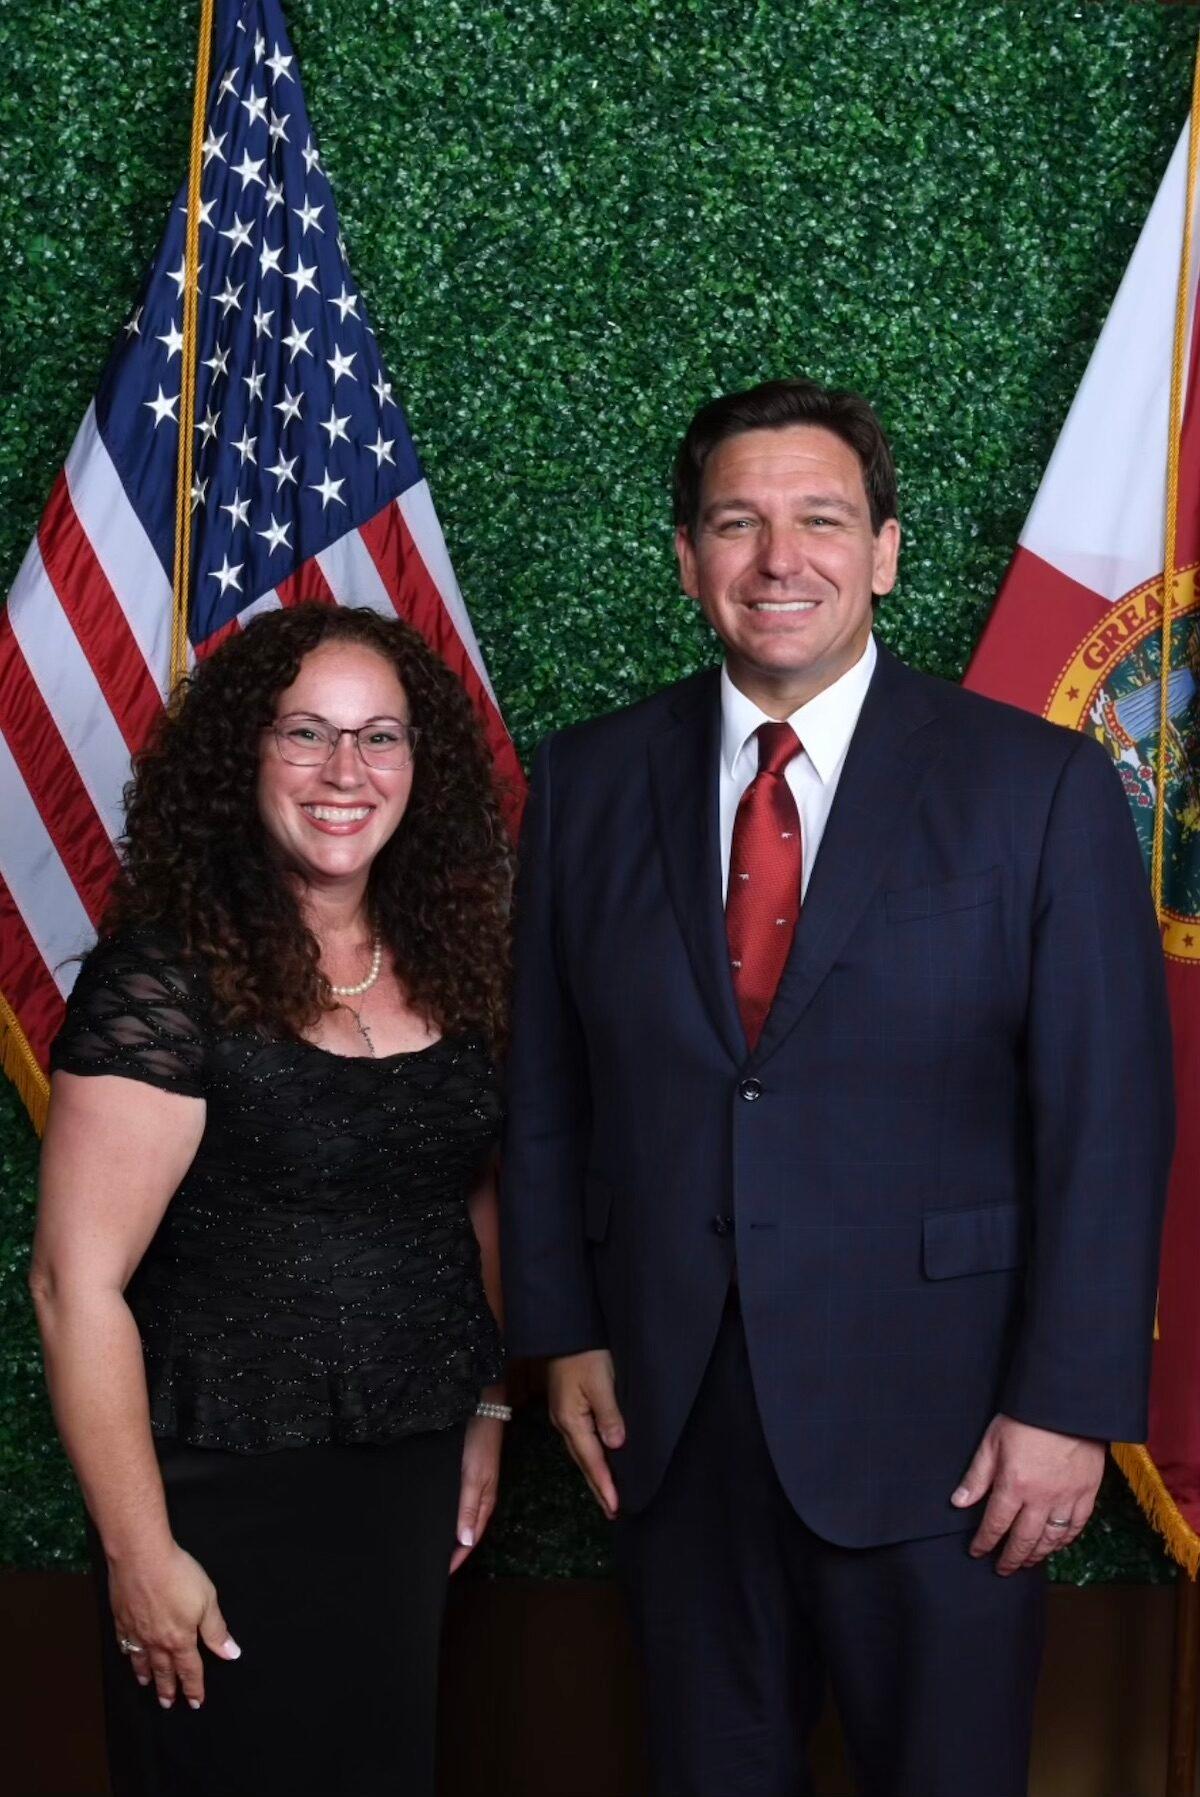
<point>310,742</point>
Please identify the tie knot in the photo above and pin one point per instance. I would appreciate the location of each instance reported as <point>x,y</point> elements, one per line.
<point>777,744</point>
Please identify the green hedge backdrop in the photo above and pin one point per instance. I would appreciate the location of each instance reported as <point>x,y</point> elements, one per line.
<point>572,223</point>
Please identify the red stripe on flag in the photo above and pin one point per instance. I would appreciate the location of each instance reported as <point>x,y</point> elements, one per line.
<point>97,619</point>
<point>1174,1434</point>
<point>415,595</point>
<point>1038,621</point>
<point>49,771</point>
<point>26,982</point>
<point>307,582</point>
<point>205,649</point>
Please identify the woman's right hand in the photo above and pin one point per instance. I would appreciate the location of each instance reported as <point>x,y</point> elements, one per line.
<point>161,1607</point>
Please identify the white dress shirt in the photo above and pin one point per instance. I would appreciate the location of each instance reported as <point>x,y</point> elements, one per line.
<point>824,726</point>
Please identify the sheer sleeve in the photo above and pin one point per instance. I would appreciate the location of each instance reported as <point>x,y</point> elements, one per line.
<point>137,1010</point>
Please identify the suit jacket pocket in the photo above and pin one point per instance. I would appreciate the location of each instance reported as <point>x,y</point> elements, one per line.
<point>989,1239</point>
<point>960,894</point>
<point>597,1207</point>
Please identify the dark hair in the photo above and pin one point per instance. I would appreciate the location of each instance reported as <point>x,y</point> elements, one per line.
<point>197,858</point>
<point>771,406</point>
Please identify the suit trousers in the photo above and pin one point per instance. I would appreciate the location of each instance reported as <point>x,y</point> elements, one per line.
<point>743,1615</point>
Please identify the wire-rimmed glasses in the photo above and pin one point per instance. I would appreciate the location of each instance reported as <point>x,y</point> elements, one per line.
<point>308,741</point>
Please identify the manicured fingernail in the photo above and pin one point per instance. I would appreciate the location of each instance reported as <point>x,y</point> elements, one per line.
<point>960,1496</point>
<point>230,1649</point>
<point>166,1702</point>
<point>141,1681</point>
<point>193,1703</point>
<point>466,1538</point>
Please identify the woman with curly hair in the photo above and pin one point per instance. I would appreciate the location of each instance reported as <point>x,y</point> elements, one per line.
<point>265,1267</point>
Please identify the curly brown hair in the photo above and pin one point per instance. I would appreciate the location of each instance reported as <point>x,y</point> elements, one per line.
<point>195,855</point>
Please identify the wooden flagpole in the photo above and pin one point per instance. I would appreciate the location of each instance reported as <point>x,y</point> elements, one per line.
<point>1185,1672</point>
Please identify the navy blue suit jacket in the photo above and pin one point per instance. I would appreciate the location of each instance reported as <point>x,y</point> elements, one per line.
<point>943,1166</point>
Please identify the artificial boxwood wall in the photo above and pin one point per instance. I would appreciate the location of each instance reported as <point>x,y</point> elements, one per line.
<point>572,222</point>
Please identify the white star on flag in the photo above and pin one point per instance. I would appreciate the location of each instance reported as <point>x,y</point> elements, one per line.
<point>245,446</point>
<point>277,133</point>
<point>229,576</point>
<point>268,261</point>
<point>289,405</point>
<point>238,234</point>
<point>336,427</point>
<point>283,470</point>
<point>341,365</point>
<point>297,341</point>
<point>262,322</point>
<point>239,511</point>
<point>248,169</point>
<point>255,105</point>
<point>304,275</point>
<point>276,535</point>
<point>254,382</point>
<point>212,146</point>
<point>308,215</point>
<point>207,427</point>
<point>328,489</point>
<point>230,297</point>
<point>311,157</point>
<point>162,407</point>
<point>173,341</point>
<point>345,303</point>
<point>279,65</point>
<point>382,450</point>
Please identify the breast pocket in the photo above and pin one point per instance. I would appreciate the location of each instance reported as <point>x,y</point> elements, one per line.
<point>965,893</point>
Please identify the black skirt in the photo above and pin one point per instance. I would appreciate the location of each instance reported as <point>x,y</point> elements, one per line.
<point>330,1565</point>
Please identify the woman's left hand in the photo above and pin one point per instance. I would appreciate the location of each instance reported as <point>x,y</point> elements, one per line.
<point>480,1482</point>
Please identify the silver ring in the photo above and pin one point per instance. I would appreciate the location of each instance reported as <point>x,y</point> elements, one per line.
<point>1055,1522</point>
<point>128,1646</point>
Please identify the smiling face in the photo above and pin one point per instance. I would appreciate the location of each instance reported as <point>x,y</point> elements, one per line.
<point>784,563</point>
<point>330,822</point>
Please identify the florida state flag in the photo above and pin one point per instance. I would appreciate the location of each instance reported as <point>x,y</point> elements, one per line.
<point>1078,634</point>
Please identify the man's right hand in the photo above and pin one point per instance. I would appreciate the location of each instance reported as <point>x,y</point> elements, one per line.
<point>583,1408</point>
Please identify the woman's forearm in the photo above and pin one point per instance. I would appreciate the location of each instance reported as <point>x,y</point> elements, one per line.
<point>97,1381</point>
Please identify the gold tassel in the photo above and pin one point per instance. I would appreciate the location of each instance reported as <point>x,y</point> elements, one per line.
<point>18,1063</point>
<point>1146,1483</point>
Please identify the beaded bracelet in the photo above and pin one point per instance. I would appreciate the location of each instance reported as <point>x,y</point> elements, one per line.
<point>501,1413</point>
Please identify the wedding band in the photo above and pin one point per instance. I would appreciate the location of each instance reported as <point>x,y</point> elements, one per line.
<point>128,1646</point>
<point>1054,1522</point>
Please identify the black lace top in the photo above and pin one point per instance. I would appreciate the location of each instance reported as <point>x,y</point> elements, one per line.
<point>315,1277</point>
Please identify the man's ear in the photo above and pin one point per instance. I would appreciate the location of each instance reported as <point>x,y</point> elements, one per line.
<point>887,557</point>
<point>685,555</point>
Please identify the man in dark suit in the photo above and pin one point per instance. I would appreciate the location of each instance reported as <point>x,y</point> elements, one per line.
<point>839,1130</point>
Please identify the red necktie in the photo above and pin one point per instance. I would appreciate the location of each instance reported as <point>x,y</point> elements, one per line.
<point>766,864</point>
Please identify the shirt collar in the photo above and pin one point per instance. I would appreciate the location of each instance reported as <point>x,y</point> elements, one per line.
<point>824,725</point>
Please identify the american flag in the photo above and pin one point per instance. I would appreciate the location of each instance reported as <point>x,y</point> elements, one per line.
<point>306,485</point>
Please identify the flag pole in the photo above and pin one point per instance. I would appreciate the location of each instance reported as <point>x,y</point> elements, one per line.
<point>181,581</point>
<point>1185,1674</point>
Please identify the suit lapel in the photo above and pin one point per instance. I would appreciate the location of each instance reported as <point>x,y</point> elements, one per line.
<point>894,746</point>
<point>683,778</point>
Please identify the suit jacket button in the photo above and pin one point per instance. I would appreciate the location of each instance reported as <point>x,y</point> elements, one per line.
<point>750,1089</point>
<point>722,1225</point>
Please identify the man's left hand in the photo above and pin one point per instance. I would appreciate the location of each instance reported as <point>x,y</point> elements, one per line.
<point>1042,1485</point>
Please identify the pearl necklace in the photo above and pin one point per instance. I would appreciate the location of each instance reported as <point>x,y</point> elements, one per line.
<point>372,976</point>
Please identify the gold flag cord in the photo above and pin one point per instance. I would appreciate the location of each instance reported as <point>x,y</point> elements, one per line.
<point>1134,1460</point>
<point>181,581</point>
